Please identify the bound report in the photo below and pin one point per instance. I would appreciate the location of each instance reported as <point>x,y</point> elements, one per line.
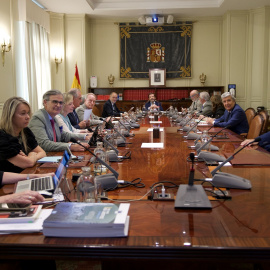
<point>74,219</point>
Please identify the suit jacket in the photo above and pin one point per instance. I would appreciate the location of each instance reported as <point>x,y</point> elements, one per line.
<point>265,141</point>
<point>148,104</point>
<point>74,119</point>
<point>236,119</point>
<point>196,105</point>
<point>207,108</point>
<point>94,120</point>
<point>41,127</point>
<point>108,109</point>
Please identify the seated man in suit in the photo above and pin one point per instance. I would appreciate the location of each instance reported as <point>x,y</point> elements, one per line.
<point>264,142</point>
<point>89,103</point>
<point>73,117</point>
<point>196,105</point>
<point>234,116</point>
<point>110,108</point>
<point>207,106</point>
<point>46,130</point>
<point>152,103</point>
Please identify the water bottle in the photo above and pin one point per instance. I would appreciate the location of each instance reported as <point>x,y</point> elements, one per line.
<point>100,153</point>
<point>86,188</point>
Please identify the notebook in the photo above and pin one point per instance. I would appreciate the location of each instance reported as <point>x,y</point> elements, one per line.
<point>47,183</point>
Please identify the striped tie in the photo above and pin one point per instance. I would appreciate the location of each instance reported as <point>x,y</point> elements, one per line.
<point>53,127</point>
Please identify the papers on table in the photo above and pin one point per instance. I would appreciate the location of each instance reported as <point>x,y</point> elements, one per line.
<point>36,226</point>
<point>52,159</point>
<point>155,122</point>
<point>152,145</point>
<point>87,113</point>
<point>151,129</point>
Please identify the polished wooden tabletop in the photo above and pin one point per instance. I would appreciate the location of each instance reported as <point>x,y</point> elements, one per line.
<point>236,229</point>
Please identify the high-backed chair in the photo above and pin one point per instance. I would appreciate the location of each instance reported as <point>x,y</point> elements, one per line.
<point>250,114</point>
<point>265,116</point>
<point>255,127</point>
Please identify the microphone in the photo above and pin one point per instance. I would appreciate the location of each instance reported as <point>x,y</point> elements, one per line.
<point>108,181</point>
<point>121,142</point>
<point>233,155</point>
<point>211,139</point>
<point>195,125</point>
<point>191,174</point>
<point>93,139</point>
<point>227,180</point>
<point>186,123</point>
<point>191,196</point>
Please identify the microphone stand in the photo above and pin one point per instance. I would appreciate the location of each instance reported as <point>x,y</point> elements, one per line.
<point>195,125</point>
<point>115,173</point>
<point>233,155</point>
<point>210,140</point>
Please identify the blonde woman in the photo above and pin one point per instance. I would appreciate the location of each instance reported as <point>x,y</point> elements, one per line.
<point>18,146</point>
<point>63,119</point>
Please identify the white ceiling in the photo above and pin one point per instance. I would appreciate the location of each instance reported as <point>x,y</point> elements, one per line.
<point>135,8</point>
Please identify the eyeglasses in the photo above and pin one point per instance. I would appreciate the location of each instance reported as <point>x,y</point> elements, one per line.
<point>55,102</point>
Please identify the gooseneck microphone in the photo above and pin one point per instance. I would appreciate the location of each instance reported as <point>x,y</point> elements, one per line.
<point>115,173</point>
<point>195,125</point>
<point>211,139</point>
<point>191,174</point>
<point>233,155</point>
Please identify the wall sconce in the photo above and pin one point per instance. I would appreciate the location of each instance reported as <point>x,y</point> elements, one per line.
<point>5,47</point>
<point>57,62</point>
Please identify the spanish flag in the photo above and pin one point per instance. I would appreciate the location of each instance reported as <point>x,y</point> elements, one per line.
<point>76,80</point>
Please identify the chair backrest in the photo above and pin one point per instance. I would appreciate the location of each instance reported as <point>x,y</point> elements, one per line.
<point>265,116</point>
<point>255,127</point>
<point>250,114</point>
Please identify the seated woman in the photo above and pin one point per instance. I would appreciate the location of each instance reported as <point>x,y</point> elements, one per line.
<point>218,107</point>
<point>18,146</point>
<point>63,119</point>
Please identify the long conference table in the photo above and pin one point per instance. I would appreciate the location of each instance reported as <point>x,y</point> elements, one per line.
<point>235,230</point>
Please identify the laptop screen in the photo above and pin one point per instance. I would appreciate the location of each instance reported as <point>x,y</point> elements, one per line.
<point>61,169</point>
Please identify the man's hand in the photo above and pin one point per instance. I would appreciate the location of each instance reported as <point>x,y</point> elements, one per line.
<point>78,148</point>
<point>82,124</point>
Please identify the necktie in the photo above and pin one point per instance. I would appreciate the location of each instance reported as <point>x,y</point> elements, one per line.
<point>76,117</point>
<point>54,133</point>
<point>228,116</point>
<point>113,107</point>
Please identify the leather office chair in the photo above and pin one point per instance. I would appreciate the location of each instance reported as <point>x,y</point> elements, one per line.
<point>265,116</point>
<point>250,114</point>
<point>96,111</point>
<point>255,127</point>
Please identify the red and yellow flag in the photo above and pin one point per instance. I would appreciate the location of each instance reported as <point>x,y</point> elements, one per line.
<point>76,80</point>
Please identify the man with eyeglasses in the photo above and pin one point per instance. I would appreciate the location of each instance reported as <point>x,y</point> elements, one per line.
<point>48,134</point>
<point>196,105</point>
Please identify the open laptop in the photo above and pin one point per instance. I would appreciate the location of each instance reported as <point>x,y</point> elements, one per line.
<point>47,183</point>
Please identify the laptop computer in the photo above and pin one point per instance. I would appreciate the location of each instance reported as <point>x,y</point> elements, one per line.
<point>47,183</point>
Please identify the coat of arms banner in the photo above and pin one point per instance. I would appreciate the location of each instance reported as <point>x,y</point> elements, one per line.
<point>147,47</point>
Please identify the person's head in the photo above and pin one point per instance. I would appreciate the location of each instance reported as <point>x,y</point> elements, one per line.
<point>204,96</point>
<point>113,97</point>
<point>53,102</point>
<point>68,106</point>
<point>151,97</point>
<point>228,101</point>
<point>216,101</point>
<point>194,95</point>
<point>77,97</point>
<point>15,117</point>
<point>90,100</point>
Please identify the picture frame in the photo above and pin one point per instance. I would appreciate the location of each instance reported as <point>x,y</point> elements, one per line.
<point>157,77</point>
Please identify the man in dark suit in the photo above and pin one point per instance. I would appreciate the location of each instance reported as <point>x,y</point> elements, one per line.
<point>73,116</point>
<point>46,130</point>
<point>152,103</point>
<point>110,108</point>
<point>234,116</point>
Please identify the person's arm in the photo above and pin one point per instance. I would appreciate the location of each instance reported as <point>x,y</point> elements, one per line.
<point>25,197</point>
<point>247,141</point>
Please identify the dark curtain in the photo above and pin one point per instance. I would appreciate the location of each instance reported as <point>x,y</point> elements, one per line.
<point>147,47</point>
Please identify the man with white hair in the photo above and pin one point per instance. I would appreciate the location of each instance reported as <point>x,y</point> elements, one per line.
<point>234,115</point>
<point>196,104</point>
<point>89,103</point>
<point>207,106</point>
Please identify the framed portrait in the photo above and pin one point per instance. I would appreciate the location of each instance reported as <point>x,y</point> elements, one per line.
<point>157,77</point>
